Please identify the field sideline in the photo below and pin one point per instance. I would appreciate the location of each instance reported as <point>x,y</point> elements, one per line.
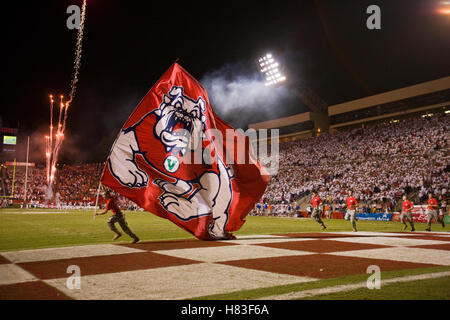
<point>41,228</point>
<point>272,258</point>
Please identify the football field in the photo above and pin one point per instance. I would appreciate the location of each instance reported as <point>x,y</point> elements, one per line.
<point>272,258</point>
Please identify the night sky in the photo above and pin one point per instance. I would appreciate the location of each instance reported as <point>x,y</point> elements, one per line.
<point>324,45</point>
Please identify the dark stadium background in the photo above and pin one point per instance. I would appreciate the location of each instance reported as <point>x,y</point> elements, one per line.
<point>325,46</point>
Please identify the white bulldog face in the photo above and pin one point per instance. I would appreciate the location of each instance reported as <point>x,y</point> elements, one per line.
<point>180,121</point>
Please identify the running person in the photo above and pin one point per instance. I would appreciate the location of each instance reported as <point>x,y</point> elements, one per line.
<point>432,211</point>
<point>259,208</point>
<point>351,210</point>
<point>316,202</point>
<point>117,216</point>
<point>406,213</point>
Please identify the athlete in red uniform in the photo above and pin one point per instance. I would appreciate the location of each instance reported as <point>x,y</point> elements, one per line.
<point>316,201</point>
<point>351,210</point>
<point>433,212</point>
<point>407,213</point>
<point>117,216</point>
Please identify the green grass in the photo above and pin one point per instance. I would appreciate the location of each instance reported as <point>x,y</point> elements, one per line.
<point>271,225</point>
<point>19,231</point>
<point>31,231</point>
<point>296,287</point>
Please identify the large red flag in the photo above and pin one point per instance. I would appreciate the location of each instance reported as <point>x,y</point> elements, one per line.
<point>177,159</point>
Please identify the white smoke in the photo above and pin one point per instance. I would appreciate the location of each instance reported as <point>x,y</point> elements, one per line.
<point>49,194</point>
<point>241,98</point>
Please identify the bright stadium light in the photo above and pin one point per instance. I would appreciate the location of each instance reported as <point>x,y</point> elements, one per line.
<point>445,11</point>
<point>443,8</point>
<point>270,69</point>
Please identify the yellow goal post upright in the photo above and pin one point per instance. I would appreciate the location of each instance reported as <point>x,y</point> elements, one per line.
<point>13,181</point>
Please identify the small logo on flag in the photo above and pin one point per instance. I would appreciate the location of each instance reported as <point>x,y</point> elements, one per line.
<point>171,164</point>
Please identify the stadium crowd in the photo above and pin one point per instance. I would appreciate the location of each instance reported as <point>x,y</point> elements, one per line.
<point>74,186</point>
<point>379,163</point>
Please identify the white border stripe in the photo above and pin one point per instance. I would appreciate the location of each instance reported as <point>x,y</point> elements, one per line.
<point>350,287</point>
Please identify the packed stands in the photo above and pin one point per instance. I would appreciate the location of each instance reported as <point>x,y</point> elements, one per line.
<point>379,163</point>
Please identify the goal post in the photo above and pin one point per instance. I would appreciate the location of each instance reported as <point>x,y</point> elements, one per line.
<point>13,181</point>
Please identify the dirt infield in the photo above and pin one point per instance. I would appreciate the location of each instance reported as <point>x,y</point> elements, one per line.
<point>322,246</point>
<point>36,290</point>
<point>176,244</point>
<point>102,264</point>
<point>183,269</point>
<point>317,235</point>
<point>435,246</point>
<point>3,260</point>
<point>322,266</point>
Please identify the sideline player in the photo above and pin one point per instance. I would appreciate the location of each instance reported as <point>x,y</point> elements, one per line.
<point>351,204</point>
<point>432,211</point>
<point>117,216</point>
<point>316,202</point>
<point>406,213</point>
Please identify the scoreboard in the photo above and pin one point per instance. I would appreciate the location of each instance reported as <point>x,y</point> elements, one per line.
<point>11,140</point>
<point>8,140</point>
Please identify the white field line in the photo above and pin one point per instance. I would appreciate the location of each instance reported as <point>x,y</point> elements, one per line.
<point>350,287</point>
<point>33,212</point>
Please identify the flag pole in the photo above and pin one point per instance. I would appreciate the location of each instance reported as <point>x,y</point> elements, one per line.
<point>14,177</point>
<point>26,173</point>
<point>96,200</point>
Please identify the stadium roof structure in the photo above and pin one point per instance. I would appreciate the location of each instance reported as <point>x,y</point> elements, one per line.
<point>390,96</point>
<point>416,98</point>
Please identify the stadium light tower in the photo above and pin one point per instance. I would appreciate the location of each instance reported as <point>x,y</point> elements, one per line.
<point>444,8</point>
<point>270,68</point>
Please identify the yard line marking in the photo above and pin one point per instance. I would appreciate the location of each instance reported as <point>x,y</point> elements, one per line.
<point>173,283</point>
<point>11,274</point>
<point>33,212</point>
<point>351,287</point>
<point>66,252</point>
<point>392,241</point>
<point>231,253</point>
<point>406,254</point>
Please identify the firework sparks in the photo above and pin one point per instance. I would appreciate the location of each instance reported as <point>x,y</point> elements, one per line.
<point>47,156</point>
<point>52,149</point>
<point>78,52</point>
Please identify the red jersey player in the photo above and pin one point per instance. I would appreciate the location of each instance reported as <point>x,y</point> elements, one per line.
<point>116,217</point>
<point>407,213</point>
<point>316,201</point>
<point>432,211</point>
<point>351,210</point>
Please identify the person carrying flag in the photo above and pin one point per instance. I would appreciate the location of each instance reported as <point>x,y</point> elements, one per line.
<point>316,202</point>
<point>351,210</point>
<point>117,216</point>
<point>178,160</point>
<point>406,213</point>
<point>432,211</point>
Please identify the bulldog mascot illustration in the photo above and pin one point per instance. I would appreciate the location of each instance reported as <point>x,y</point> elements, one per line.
<point>153,163</point>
